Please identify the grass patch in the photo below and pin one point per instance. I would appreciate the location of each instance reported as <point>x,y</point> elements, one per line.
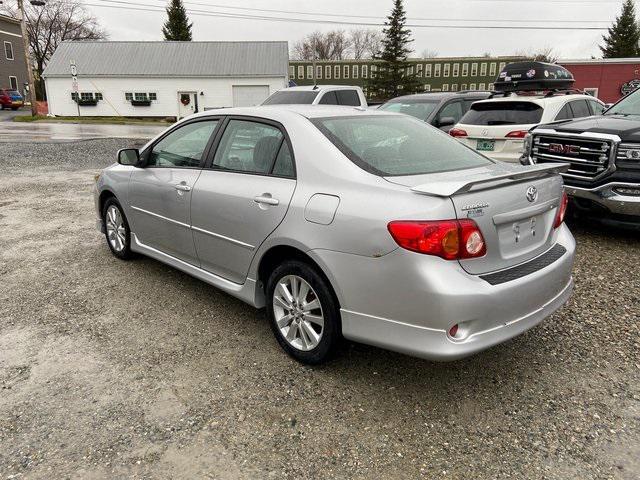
<point>97,120</point>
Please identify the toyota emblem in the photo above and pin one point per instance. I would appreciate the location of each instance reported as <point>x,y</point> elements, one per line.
<point>485,132</point>
<point>532,193</point>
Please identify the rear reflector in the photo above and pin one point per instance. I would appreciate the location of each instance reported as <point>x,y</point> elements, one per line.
<point>457,132</point>
<point>453,331</point>
<point>517,134</point>
<point>448,239</point>
<point>562,210</point>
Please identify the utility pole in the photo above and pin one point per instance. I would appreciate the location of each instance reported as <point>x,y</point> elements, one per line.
<point>25,41</point>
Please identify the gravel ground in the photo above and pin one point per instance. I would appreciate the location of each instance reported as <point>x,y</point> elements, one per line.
<point>113,369</point>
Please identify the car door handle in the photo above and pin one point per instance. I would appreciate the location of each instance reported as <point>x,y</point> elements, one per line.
<point>268,200</point>
<point>182,187</point>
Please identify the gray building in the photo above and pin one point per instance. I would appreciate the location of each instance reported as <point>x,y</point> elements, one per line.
<point>13,68</point>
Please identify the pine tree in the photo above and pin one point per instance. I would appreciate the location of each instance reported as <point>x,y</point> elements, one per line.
<point>392,77</point>
<point>177,26</point>
<point>624,35</point>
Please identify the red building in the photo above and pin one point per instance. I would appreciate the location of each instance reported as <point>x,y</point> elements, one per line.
<point>607,79</point>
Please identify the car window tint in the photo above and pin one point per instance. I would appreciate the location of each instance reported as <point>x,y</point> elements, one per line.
<point>248,146</point>
<point>294,97</point>
<point>182,147</point>
<point>415,108</point>
<point>580,108</point>
<point>348,97</point>
<point>565,113</point>
<point>503,113</point>
<point>329,98</point>
<point>453,109</point>
<point>397,145</point>
<point>284,162</point>
<point>596,107</point>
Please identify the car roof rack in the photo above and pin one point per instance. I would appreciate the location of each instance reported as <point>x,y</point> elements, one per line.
<point>540,93</point>
<point>533,77</point>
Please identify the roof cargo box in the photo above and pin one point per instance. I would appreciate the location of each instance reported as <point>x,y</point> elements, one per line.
<point>527,76</point>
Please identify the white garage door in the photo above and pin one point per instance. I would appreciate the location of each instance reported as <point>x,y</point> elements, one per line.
<point>249,95</point>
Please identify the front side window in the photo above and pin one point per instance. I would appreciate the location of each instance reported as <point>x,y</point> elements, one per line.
<point>294,97</point>
<point>503,113</point>
<point>451,110</point>
<point>183,147</point>
<point>596,107</point>
<point>348,97</point>
<point>397,145</point>
<point>248,146</point>
<point>8,50</point>
<point>580,109</point>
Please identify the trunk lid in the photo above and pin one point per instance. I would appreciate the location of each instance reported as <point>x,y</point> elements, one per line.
<point>498,198</point>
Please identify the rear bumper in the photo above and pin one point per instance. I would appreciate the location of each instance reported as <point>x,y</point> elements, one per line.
<point>407,302</point>
<point>608,199</point>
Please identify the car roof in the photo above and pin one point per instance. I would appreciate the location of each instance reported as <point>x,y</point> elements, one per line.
<point>276,112</point>
<point>318,88</point>
<point>541,100</point>
<point>442,95</point>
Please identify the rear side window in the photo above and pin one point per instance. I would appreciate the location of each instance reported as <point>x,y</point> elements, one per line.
<point>329,98</point>
<point>503,113</point>
<point>580,109</point>
<point>348,97</point>
<point>389,145</point>
<point>248,147</point>
<point>284,162</point>
<point>293,98</point>
<point>565,113</point>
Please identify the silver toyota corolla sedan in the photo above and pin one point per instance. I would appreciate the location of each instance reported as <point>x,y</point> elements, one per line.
<point>347,223</point>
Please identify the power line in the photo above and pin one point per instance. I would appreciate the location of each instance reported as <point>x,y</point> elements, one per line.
<point>242,16</point>
<point>344,15</point>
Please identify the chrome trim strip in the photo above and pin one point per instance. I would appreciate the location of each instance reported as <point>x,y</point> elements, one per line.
<point>583,135</point>
<point>197,229</point>
<point>160,217</point>
<point>222,237</point>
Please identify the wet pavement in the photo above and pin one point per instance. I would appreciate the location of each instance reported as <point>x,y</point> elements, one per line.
<point>14,132</point>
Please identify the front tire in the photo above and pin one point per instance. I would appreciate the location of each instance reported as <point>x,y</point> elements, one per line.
<point>116,229</point>
<point>303,313</point>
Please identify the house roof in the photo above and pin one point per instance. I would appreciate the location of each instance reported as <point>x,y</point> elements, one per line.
<point>170,59</point>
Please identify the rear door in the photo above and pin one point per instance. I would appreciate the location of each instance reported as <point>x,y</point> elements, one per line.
<point>242,195</point>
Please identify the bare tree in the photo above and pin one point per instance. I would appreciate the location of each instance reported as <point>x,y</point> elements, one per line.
<point>50,24</point>
<point>546,54</point>
<point>332,45</point>
<point>365,43</point>
<point>426,53</point>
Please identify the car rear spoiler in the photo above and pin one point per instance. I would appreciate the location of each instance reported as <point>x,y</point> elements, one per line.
<point>446,188</point>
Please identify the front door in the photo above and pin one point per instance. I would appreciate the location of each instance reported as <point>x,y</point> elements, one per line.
<point>242,198</point>
<point>160,193</point>
<point>187,103</point>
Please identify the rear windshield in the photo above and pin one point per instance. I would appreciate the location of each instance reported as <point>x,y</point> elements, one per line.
<point>503,113</point>
<point>389,145</point>
<point>292,98</point>
<point>416,108</point>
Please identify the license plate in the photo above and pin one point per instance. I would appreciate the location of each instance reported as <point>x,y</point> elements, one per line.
<point>486,145</point>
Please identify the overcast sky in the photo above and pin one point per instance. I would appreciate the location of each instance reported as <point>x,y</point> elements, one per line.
<point>146,25</point>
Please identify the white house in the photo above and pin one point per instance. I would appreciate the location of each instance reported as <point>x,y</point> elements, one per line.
<point>162,79</point>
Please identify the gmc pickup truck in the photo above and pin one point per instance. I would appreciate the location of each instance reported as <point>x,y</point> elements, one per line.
<point>603,154</point>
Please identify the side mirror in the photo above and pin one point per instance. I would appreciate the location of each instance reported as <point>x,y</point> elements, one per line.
<point>129,156</point>
<point>446,122</point>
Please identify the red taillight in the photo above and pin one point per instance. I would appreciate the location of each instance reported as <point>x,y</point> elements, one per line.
<point>562,210</point>
<point>517,134</point>
<point>457,132</point>
<point>449,239</point>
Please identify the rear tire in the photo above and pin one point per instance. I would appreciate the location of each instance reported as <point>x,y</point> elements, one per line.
<point>303,313</point>
<point>116,229</point>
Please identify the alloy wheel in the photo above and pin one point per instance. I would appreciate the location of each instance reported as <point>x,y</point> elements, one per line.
<point>298,312</point>
<point>116,232</point>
